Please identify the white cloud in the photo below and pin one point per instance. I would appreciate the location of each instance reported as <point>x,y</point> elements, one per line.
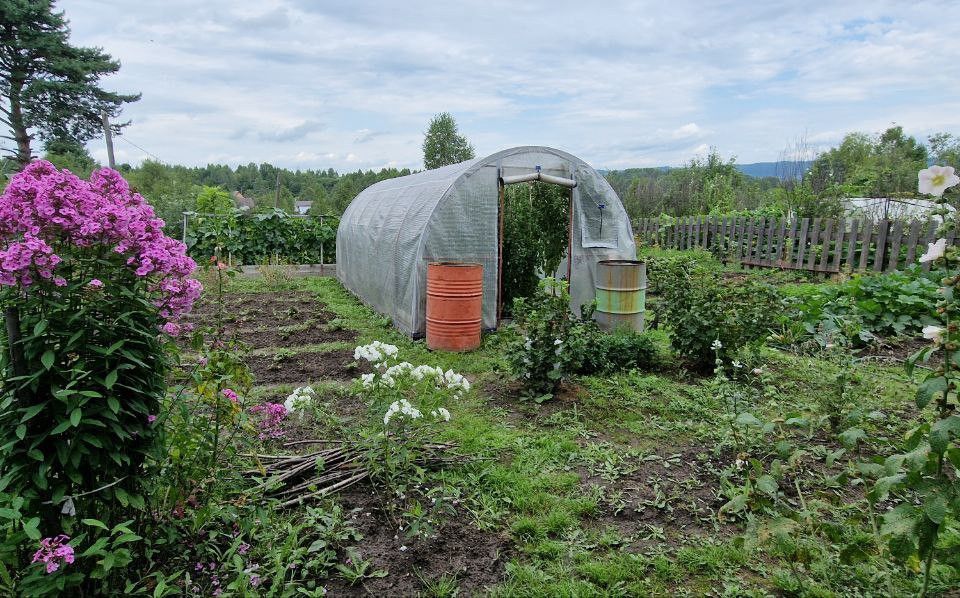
<point>619,84</point>
<point>686,131</point>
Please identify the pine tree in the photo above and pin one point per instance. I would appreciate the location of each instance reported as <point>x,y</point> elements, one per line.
<point>443,144</point>
<point>47,85</point>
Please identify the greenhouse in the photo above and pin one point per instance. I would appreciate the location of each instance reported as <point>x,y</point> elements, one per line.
<point>393,229</point>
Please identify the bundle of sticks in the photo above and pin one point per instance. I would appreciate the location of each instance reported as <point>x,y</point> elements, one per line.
<point>340,464</point>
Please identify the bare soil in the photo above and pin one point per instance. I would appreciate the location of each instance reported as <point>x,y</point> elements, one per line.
<point>273,337</point>
<point>476,558</point>
<point>670,496</point>
<point>303,367</point>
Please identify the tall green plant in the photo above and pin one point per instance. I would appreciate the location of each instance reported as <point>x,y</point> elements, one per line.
<point>536,228</point>
<point>92,290</point>
<point>925,475</point>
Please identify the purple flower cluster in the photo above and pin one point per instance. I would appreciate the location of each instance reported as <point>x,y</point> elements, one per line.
<point>54,552</point>
<point>272,418</point>
<point>44,208</point>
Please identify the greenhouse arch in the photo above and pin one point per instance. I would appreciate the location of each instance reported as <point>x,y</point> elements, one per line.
<point>393,229</point>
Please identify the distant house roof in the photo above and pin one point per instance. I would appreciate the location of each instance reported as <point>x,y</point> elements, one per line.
<point>302,206</point>
<point>889,207</point>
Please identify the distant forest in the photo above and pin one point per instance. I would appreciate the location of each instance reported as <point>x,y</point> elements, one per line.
<point>862,165</point>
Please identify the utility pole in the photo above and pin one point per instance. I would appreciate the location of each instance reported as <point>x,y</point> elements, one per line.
<point>108,135</point>
<point>276,197</point>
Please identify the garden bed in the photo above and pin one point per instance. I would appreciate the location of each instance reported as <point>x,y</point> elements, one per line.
<point>285,368</point>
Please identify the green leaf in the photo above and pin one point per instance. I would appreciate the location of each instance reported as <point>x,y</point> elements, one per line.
<point>110,380</point>
<point>31,411</point>
<point>943,431</point>
<point>768,485</point>
<point>95,523</point>
<point>114,404</point>
<point>21,431</point>
<point>95,548</point>
<point>75,416</point>
<point>900,527</point>
<point>47,359</point>
<point>131,537</point>
<point>61,427</point>
<point>31,528</point>
<point>748,419</point>
<point>935,508</point>
<point>40,327</point>
<point>931,387</point>
<point>850,438</point>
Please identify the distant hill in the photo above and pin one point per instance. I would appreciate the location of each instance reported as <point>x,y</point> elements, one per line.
<point>765,169</point>
<point>757,169</point>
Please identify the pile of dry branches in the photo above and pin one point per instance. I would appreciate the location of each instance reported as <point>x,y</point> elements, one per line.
<point>294,479</point>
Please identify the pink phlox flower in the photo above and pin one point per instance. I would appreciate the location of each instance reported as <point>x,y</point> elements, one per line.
<point>54,552</point>
<point>272,415</point>
<point>42,205</point>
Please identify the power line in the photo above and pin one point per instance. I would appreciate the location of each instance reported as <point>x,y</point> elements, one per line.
<point>152,155</point>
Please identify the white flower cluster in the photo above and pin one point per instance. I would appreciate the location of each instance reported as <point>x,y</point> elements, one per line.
<point>403,407</point>
<point>376,352</point>
<point>441,413</point>
<point>716,345</point>
<point>299,398</point>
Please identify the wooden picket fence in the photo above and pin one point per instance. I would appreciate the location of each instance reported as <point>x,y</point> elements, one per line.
<point>818,244</point>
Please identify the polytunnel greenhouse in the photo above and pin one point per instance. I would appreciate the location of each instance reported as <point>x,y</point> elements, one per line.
<point>393,229</point>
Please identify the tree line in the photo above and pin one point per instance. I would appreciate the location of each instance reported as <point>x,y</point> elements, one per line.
<point>807,184</point>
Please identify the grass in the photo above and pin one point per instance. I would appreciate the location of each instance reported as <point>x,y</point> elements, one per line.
<point>615,489</point>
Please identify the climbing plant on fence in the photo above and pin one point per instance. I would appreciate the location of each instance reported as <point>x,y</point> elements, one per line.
<point>259,238</point>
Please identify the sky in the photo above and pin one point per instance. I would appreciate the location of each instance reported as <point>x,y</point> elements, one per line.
<point>352,84</point>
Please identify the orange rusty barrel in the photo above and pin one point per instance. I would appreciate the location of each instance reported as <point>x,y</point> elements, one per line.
<point>454,300</point>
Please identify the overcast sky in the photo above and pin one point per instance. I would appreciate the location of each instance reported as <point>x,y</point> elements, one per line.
<point>352,84</point>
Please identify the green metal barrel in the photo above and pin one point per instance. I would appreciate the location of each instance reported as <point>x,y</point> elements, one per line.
<point>621,294</point>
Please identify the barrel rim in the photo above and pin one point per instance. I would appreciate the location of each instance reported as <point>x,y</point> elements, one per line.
<point>621,262</point>
<point>456,264</point>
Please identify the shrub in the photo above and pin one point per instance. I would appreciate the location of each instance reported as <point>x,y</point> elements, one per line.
<point>88,280</point>
<point>662,266</point>
<point>701,308</point>
<point>539,356</point>
<point>895,303</point>
<point>257,238</point>
<point>599,352</point>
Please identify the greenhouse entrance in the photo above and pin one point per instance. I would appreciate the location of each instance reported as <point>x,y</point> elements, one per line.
<point>535,234</point>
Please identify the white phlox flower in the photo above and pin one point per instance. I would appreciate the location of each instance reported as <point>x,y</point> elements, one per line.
<point>426,372</point>
<point>441,413</point>
<point>936,179</point>
<point>404,408</point>
<point>527,343</point>
<point>367,380</point>
<point>737,364</point>
<point>376,352</point>
<point>399,369</point>
<point>299,398</point>
<point>934,251</point>
<point>456,381</point>
<point>716,345</point>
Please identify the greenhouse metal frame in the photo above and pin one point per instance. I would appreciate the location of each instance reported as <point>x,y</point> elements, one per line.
<point>393,229</point>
